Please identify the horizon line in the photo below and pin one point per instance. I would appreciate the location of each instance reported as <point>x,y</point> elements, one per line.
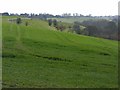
<point>71,14</point>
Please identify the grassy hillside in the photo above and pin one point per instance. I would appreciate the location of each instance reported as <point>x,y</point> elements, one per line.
<point>39,56</point>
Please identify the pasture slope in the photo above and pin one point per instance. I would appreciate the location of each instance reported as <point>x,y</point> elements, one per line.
<point>40,56</point>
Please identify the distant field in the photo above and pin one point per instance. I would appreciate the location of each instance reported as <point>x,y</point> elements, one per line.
<point>40,56</point>
<point>79,19</point>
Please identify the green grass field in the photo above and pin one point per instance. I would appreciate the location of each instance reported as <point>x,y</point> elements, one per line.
<point>40,56</point>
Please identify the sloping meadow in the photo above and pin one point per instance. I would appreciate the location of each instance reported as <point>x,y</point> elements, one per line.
<point>40,56</point>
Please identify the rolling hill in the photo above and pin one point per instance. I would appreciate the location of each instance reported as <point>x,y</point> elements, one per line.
<point>40,56</point>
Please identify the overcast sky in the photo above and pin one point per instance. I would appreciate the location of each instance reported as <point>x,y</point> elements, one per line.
<point>85,7</point>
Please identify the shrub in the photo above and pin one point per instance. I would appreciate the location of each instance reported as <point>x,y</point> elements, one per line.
<point>18,20</point>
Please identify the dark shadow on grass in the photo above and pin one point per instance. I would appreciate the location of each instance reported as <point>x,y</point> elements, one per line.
<point>8,56</point>
<point>103,53</point>
<point>53,58</point>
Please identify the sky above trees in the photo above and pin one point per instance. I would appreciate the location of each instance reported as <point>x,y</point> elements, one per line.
<point>85,7</point>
